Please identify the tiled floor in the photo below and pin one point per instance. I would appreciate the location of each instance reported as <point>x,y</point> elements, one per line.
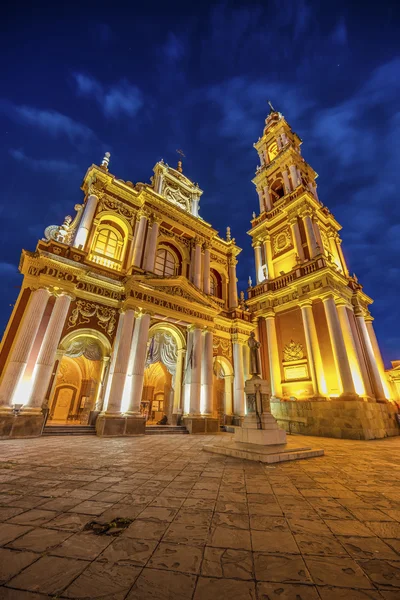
<point>204,526</point>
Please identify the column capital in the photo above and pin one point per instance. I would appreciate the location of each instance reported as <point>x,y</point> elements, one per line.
<point>257,244</point>
<point>343,302</point>
<point>207,245</point>
<point>327,296</point>
<point>306,211</point>
<point>143,212</point>
<point>307,302</point>
<point>269,314</point>
<point>232,262</point>
<point>266,237</point>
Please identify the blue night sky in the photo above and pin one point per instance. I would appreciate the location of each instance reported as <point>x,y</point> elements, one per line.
<point>141,80</point>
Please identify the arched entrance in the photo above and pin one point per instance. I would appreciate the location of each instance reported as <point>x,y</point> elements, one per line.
<point>222,390</point>
<point>80,371</point>
<point>162,389</point>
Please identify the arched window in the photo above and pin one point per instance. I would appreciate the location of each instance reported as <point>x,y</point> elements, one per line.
<point>277,190</point>
<point>215,284</point>
<point>166,263</point>
<point>108,246</point>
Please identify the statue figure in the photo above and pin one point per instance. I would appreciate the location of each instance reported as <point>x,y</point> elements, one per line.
<point>254,355</point>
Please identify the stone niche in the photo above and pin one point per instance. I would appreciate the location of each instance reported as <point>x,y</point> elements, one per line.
<point>354,420</point>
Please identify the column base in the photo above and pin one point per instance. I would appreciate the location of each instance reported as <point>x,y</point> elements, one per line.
<point>348,397</point>
<point>269,435</point>
<point>119,425</point>
<point>199,424</point>
<point>23,425</point>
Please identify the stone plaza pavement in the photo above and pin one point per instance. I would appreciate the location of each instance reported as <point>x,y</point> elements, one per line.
<point>203,526</point>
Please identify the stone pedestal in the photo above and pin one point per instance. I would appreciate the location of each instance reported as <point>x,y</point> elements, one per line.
<point>259,426</point>
<point>119,425</point>
<point>22,425</point>
<point>201,424</point>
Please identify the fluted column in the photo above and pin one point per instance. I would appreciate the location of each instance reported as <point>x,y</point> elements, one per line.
<point>121,364</point>
<point>372,363</point>
<point>25,338</point>
<point>338,347</point>
<point>138,241</point>
<point>178,381</point>
<point>310,234</point>
<point>351,348</point>
<point>207,374</point>
<point>258,259</point>
<point>233,295</point>
<point>239,402</point>
<point>195,371</point>
<point>206,269</point>
<point>268,256</point>
<point>139,350</point>
<point>294,176</point>
<point>313,351</point>
<point>273,355</point>
<point>294,226</point>
<point>261,200</point>
<point>267,199</point>
<point>286,182</point>
<point>86,221</point>
<point>187,372</point>
<point>113,360</point>
<point>197,263</point>
<point>151,246</point>
<point>47,354</point>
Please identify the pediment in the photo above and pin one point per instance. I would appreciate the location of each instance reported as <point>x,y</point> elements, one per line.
<point>180,287</point>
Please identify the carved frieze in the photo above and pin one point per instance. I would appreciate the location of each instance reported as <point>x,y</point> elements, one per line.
<point>281,241</point>
<point>84,312</point>
<point>293,351</point>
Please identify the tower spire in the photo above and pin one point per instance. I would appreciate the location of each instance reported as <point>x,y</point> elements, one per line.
<point>271,107</point>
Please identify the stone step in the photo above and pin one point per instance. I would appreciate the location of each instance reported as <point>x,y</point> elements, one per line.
<point>52,430</point>
<point>165,429</point>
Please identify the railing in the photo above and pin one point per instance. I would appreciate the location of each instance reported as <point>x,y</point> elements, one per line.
<point>288,278</point>
<point>281,203</point>
<point>105,261</point>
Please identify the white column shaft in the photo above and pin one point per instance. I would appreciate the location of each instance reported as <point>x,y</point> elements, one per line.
<point>86,221</point>
<point>121,364</point>
<point>294,176</point>
<point>318,237</point>
<point>239,401</point>
<point>374,371</point>
<point>151,247</point>
<point>187,373</point>
<point>206,271</point>
<point>113,359</point>
<point>178,382</point>
<point>267,199</point>
<point>197,266</point>
<point>139,347</point>
<point>233,296</point>
<point>207,374</point>
<point>313,351</point>
<point>286,182</point>
<point>268,258</point>
<point>338,347</point>
<point>351,348</point>
<point>261,201</point>
<point>25,338</point>
<point>139,242</point>
<point>273,357</point>
<point>310,235</point>
<point>47,354</point>
<point>195,372</point>
<point>258,258</point>
<point>294,226</point>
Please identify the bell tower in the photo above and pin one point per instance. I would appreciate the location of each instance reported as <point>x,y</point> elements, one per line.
<point>313,318</point>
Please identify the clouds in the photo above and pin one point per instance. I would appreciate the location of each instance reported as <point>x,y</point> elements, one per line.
<point>41,164</point>
<point>119,100</point>
<point>49,121</point>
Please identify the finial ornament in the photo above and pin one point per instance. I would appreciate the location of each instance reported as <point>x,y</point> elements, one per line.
<point>271,107</point>
<point>228,234</point>
<point>250,282</point>
<point>180,152</point>
<point>106,160</point>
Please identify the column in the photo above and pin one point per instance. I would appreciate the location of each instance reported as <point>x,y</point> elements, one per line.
<point>267,199</point>
<point>207,374</point>
<point>187,372</point>
<point>239,401</point>
<point>47,353</point>
<point>197,263</point>
<point>286,182</point>
<point>294,226</point>
<point>268,256</point>
<point>121,364</point>
<point>195,207</point>
<point>262,158</point>
<point>86,221</point>
<point>261,201</point>
<point>25,338</point>
<point>310,235</point>
<point>341,256</point>
<point>351,348</point>
<point>233,296</point>
<point>258,259</point>
<point>113,359</point>
<point>273,355</point>
<point>195,372</point>
<point>228,405</point>
<point>294,176</point>
<point>313,352</point>
<point>374,371</point>
<point>178,381</point>
<point>206,269</point>
<point>139,347</point>
<point>151,246</point>
<point>139,240</point>
<point>318,237</point>
<point>246,360</point>
<point>377,353</point>
<point>338,347</point>
<point>334,249</point>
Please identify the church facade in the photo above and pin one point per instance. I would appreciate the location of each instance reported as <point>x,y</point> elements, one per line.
<point>129,311</point>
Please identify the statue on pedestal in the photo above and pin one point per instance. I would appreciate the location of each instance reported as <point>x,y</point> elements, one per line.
<point>254,346</point>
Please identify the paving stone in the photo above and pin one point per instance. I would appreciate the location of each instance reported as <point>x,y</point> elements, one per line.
<point>316,527</point>
<point>335,593</point>
<point>361,547</point>
<point>190,517</point>
<point>69,522</point>
<point>383,573</point>
<point>9,532</point>
<point>339,572</point>
<point>231,507</point>
<point>274,541</point>
<point>177,557</point>
<point>281,568</point>
<point>230,537</point>
<point>34,517</point>
<point>83,545</point>
<point>90,507</point>
<point>221,562</point>
<point>198,504</point>
<point>267,523</point>
<point>159,514</point>
<point>9,594</point>
<point>224,588</point>
<point>287,591</point>
<point>128,551</point>
<point>48,575</point>
<point>349,528</point>
<point>103,581</point>
<point>180,533</point>
<point>7,512</point>
<point>382,529</point>
<point>174,586</point>
<point>40,540</point>
<point>12,562</point>
<point>322,545</point>
<point>147,530</point>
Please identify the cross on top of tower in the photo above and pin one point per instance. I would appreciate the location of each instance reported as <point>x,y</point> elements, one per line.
<point>180,152</point>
